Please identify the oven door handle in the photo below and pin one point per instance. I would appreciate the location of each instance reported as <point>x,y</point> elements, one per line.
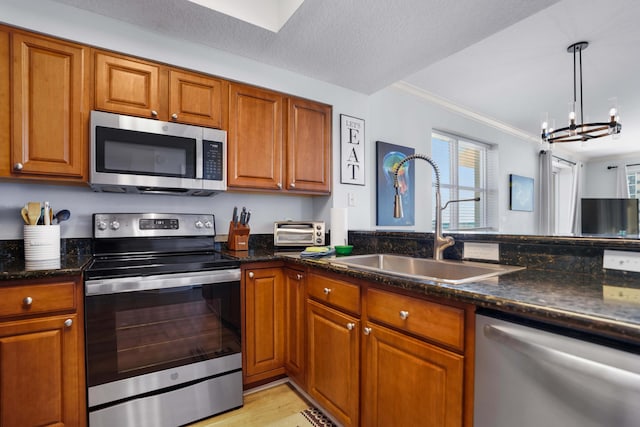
<point>160,281</point>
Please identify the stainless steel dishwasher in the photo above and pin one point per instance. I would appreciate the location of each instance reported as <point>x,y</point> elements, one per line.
<point>529,375</point>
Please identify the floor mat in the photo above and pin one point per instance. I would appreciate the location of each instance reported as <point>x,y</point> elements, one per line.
<point>317,418</point>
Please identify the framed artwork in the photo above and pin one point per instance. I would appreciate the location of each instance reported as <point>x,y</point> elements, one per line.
<point>387,157</point>
<point>351,150</point>
<point>521,193</point>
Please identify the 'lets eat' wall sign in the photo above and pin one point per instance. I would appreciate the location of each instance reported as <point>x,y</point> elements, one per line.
<point>352,150</point>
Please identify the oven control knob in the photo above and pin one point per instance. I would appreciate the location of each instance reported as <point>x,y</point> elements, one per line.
<point>115,225</point>
<point>199,224</point>
<point>102,225</point>
<point>208,224</point>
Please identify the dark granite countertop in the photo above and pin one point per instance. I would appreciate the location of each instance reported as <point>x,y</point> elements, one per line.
<point>17,269</point>
<point>561,298</point>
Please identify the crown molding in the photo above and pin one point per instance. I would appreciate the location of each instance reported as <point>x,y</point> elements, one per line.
<point>463,111</point>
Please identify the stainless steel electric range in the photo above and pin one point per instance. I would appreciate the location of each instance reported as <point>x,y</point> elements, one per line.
<point>162,313</point>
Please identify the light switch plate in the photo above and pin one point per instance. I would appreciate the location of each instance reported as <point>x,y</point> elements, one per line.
<point>481,251</point>
<point>621,260</point>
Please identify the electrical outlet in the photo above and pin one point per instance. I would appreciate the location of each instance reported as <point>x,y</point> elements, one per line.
<point>621,260</point>
<point>351,200</point>
<point>483,251</point>
<point>618,293</point>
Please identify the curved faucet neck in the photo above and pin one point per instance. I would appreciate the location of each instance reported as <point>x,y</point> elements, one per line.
<point>440,243</point>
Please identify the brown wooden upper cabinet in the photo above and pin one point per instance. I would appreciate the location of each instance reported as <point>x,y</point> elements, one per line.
<point>5,98</point>
<point>308,146</point>
<point>137,87</point>
<point>278,143</point>
<point>49,109</point>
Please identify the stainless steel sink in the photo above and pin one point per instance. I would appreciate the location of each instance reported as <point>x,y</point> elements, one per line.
<point>445,271</point>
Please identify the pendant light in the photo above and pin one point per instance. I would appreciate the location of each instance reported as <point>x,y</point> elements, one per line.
<point>581,131</point>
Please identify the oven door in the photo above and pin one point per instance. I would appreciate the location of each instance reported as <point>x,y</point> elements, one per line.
<point>149,333</point>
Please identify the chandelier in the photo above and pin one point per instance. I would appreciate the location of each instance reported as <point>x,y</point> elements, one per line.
<point>581,131</point>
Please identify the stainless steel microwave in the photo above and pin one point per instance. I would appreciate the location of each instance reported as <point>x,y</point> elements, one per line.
<point>137,155</point>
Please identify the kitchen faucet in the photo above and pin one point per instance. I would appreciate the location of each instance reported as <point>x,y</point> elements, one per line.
<point>440,242</point>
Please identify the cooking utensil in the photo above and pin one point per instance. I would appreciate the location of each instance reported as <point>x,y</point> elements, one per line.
<point>46,214</point>
<point>234,218</point>
<point>33,211</point>
<point>62,215</point>
<point>25,215</point>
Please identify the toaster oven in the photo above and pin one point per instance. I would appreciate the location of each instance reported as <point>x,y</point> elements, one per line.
<point>298,233</point>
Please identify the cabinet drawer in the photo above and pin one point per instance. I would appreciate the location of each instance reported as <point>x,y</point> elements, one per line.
<point>37,299</point>
<point>335,292</point>
<point>437,322</point>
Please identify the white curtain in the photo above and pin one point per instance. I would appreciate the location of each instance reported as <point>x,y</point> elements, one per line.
<point>576,195</point>
<point>546,212</point>
<point>622,188</point>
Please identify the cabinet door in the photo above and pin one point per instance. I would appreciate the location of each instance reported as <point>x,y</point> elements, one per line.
<point>49,132</point>
<point>264,324</point>
<point>333,362</point>
<point>196,99</point>
<point>295,325</point>
<point>5,118</point>
<point>40,373</point>
<point>408,382</point>
<point>254,138</point>
<point>127,85</point>
<point>309,146</point>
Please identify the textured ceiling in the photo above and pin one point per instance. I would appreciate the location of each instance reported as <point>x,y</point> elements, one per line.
<point>363,45</point>
<point>525,70</point>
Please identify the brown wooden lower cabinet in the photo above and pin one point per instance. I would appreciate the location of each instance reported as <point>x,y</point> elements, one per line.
<point>368,355</point>
<point>41,354</point>
<point>407,382</point>
<point>263,334</point>
<point>295,310</point>
<point>333,370</point>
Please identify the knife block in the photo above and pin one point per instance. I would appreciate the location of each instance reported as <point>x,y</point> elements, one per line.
<point>238,239</point>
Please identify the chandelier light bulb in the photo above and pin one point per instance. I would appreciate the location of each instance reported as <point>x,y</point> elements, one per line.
<point>612,112</point>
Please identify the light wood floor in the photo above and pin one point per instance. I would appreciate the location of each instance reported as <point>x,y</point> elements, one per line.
<point>261,408</point>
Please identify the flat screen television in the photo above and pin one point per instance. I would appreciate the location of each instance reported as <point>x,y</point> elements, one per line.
<point>610,217</point>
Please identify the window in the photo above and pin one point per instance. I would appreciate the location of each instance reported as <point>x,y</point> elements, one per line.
<point>633,181</point>
<point>467,170</point>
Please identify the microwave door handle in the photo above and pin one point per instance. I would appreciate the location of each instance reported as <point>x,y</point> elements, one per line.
<point>199,157</point>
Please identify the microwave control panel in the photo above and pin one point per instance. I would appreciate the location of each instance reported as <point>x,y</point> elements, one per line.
<point>212,160</point>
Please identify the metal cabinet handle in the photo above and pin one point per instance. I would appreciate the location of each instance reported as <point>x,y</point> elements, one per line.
<point>27,301</point>
<point>367,331</point>
<point>404,314</point>
<point>350,326</point>
<point>299,276</point>
<point>18,167</point>
<point>174,116</point>
<point>326,291</point>
<point>251,275</point>
<point>279,185</point>
<point>154,113</point>
<point>292,185</point>
<point>68,323</point>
